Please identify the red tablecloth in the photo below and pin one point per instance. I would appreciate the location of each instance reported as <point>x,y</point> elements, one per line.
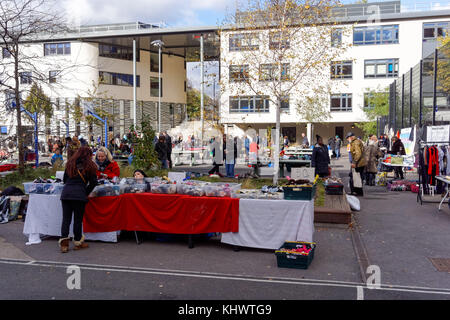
<point>162,213</point>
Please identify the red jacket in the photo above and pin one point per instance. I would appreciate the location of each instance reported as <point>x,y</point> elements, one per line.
<point>112,170</point>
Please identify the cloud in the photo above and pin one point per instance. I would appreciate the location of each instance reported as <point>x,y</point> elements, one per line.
<point>172,12</point>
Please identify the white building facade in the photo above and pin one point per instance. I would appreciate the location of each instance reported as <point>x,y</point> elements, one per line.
<point>381,50</point>
<point>70,71</point>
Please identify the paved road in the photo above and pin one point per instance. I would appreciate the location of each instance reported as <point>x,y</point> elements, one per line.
<point>397,234</point>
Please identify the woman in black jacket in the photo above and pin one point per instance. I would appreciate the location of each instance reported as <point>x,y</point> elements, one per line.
<point>80,178</point>
<point>320,158</point>
<point>161,150</point>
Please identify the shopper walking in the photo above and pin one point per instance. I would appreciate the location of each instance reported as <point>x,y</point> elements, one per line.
<point>398,149</point>
<point>230,149</point>
<point>79,180</point>
<point>161,150</point>
<point>372,153</point>
<point>337,147</point>
<point>320,159</point>
<point>358,163</point>
<point>169,149</point>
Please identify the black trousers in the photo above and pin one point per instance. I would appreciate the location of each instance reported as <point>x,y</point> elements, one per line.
<point>77,209</point>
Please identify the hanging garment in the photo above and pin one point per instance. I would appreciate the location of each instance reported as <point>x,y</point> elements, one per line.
<point>441,156</point>
<point>423,169</point>
<point>433,164</point>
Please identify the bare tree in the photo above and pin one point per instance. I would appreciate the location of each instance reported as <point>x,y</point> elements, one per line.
<point>282,50</point>
<point>22,23</point>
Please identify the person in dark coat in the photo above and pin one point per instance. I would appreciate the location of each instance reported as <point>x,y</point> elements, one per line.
<point>320,158</point>
<point>398,149</point>
<point>161,149</point>
<point>80,178</point>
<point>169,149</point>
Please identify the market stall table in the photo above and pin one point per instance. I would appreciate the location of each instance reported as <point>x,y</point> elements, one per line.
<point>44,217</point>
<point>162,213</point>
<point>267,224</point>
<point>447,182</point>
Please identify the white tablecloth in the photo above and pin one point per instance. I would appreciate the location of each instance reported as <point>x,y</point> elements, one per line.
<point>44,217</point>
<point>267,224</point>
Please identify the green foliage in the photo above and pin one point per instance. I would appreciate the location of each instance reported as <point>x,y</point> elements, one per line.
<point>145,156</point>
<point>443,73</point>
<point>193,103</point>
<point>378,100</point>
<point>38,102</point>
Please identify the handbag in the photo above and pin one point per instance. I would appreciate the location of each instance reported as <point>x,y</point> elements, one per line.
<point>357,182</point>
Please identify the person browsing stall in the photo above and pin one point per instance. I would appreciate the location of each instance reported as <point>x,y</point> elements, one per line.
<point>107,167</point>
<point>80,179</point>
<point>320,159</point>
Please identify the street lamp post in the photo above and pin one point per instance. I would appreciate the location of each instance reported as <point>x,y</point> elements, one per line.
<point>159,44</point>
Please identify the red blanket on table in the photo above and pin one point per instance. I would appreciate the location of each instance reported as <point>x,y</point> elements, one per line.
<point>162,213</point>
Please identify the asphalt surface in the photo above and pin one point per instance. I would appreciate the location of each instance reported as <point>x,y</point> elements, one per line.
<point>397,234</point>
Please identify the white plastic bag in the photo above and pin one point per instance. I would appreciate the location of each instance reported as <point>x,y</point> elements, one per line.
<point>354,203</point>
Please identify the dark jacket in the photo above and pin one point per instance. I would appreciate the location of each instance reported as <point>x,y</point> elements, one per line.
<point>161,149</point>
<point>320,159</point>
<point>398,148</point>
<point>76,189</point>
<point>169,144</point>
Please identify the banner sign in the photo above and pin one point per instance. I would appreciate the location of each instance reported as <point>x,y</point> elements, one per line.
<point>408,137</point>
<point>438,133</point>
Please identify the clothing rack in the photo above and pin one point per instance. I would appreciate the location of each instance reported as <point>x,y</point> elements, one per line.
<point>422,145</point>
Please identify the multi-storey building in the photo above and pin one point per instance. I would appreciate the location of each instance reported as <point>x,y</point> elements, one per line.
<point>96,63</point>
<point>382,49</point>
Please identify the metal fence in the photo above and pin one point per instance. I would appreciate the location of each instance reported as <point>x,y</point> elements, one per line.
<point>419,97</point>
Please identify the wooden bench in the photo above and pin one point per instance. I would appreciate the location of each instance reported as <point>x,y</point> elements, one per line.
<point>336,209</point>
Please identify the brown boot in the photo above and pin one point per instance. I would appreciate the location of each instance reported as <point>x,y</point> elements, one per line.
<point>64,244</point>
<point>80,244</point>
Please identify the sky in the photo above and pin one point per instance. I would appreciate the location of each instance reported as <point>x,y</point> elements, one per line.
<point>173,13</point>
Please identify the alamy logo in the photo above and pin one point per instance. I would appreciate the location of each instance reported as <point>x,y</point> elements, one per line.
<point>375,14</point>
<point>74,280</point>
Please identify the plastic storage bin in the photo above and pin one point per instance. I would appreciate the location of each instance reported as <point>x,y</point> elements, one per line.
<point>163,188</point>
<point>106,190</point>
<point>43,188</point>
<point>299,193</point>
<point>221,189</point>
<point>334,189</point>
<point>133,188</point>
<point>195,189</point>
<point>286,259</point>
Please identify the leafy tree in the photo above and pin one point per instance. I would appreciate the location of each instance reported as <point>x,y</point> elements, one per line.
<point>378,106</point>
<point>285,52</point>
<point>444,65</point>
<point>37,101</point>
<point>144,154</point>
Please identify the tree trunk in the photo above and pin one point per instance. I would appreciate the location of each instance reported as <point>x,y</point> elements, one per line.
<point>20,135</point>
<point>276,154</point>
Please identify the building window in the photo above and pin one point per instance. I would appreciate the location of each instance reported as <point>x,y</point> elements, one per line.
<point>52,76</point>
<point>118,79</point>
<point>383,68</point>
<point>278,40</point>
<point>336,37</point>
<point>284,104</point>
<point>3,129</point>
<point>26,78</point>
<point>375,35</point>
<point>154,62</point>
<point>341,102</point>
<point>244,42</point>
<point>342,69</point>
<point>269,72</point>
<point>238,73</point>
<point>249,104</point>
<point>10,100</point>
<point>432,31</point>
<point>6,54</point>
<point>154,87</point>
<point>117,52</point>
<point>53,49</point>
<point>368,100</point>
